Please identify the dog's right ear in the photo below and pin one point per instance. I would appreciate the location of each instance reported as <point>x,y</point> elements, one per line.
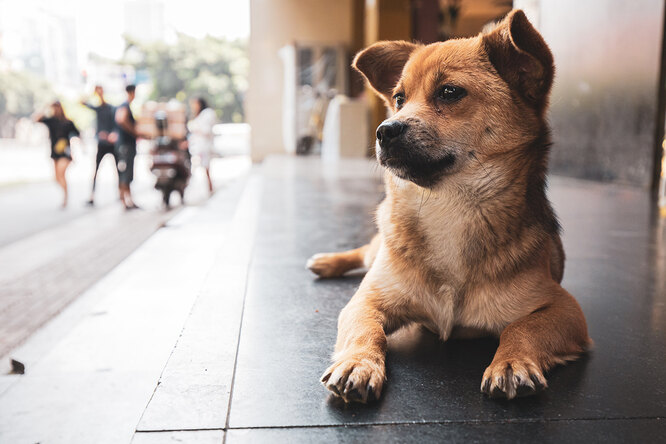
<point>381,64</point>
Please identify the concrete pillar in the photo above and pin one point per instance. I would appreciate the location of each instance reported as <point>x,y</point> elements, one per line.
<point>384,20</point>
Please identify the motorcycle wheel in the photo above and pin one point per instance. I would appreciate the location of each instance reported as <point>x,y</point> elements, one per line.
<point>166,196</point>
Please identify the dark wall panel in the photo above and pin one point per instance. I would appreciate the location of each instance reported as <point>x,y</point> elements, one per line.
<point>604,102</point>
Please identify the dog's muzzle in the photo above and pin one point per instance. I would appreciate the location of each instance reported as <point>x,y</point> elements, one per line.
<point>409,154</point>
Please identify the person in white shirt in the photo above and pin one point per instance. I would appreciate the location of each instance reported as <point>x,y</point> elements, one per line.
<point>200,139</point>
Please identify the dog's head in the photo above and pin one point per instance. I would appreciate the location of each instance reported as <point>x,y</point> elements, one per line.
<point>457,102</point>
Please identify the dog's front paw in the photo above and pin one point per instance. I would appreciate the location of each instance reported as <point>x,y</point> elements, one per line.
<point>326,265</point>
<point>512,377</point>
<point>355,380</point>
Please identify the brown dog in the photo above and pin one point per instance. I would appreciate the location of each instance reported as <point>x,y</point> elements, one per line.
<point>467,237</point>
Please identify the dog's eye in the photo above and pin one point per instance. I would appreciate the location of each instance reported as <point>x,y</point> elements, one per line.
<point>399,100</point>
<point>450,93</point>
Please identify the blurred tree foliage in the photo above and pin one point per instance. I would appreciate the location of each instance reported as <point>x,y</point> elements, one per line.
<point>21,93</point>
<point>213,68</point>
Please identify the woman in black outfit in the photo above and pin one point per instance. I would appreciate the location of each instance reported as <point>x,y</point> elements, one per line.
<point>61,130</point>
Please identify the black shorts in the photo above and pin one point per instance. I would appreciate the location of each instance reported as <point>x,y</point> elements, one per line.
<point>56,156</point>
<point>125,162</point>
<point>104,148</point>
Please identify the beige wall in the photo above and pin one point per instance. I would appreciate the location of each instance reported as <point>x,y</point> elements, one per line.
<point>274,24</point>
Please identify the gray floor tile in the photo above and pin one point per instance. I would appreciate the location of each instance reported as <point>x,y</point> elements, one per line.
<point>579,431</point>
<point>185,437</point>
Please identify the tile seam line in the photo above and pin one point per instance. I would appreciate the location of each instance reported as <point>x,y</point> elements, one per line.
<point>163,226</point>
<point>415,423</point>
<point>242,314</point>
<point>240,331</point>
<point>455,422</point>
<point>201,291</point>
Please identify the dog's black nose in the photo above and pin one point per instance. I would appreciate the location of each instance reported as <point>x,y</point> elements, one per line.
<point>389,130</point>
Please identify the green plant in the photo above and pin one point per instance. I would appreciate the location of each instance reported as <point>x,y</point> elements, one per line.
<point>211,67</point>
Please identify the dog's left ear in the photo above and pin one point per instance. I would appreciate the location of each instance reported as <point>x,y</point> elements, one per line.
<point>522,58</point>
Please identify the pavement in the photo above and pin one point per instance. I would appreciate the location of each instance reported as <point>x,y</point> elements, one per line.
<point>31,198</point>
<point>49,255</point>
<point>213,331</point>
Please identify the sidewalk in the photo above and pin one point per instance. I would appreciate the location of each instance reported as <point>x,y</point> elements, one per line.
<point>213,331</point>
<point>49,256</point>
<point>45,272</point>
<point>93,383</point>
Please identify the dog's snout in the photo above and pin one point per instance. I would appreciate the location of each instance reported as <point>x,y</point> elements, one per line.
<point>389,130</point>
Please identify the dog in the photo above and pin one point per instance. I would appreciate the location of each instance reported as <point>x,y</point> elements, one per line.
<point>468,243</point>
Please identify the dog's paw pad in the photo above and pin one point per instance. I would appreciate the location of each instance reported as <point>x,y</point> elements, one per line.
<point>511,378</point>
<point>355,380</point>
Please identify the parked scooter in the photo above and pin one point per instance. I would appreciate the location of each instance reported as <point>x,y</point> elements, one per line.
<point>171,165</point>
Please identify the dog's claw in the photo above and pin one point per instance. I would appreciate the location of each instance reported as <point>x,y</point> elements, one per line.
<point>334,389</point>
<point>497,393</point>
<point>485,386</point>
<point>349,386</point>
<point>355,380</point>
<point>509,379</point>
<point>537,384</point>
<point>372,396</point>
<point>354,395</point>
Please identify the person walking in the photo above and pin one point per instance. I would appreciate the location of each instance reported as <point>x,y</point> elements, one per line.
<point>106,137</point>
<point>126,148</point>
<point>61,130</point>
<point>200,139</point>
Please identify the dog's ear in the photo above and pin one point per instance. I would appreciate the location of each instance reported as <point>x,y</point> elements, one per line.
<point>522,58</point>
<point>381,64</point>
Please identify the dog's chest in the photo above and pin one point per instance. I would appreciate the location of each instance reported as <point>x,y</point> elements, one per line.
<point>430,242</point>
<point>444,245</point>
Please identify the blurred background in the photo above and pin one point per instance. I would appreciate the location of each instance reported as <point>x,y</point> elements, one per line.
<point>606,107</point>
<point>281,68</point>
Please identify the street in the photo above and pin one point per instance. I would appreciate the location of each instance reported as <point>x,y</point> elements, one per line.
<point>30,198</point>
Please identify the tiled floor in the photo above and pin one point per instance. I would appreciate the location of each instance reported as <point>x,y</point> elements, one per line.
<point>246,365</point>
<point>616,268</point>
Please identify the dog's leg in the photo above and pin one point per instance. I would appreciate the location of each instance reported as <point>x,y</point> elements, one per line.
<point>358,370</point>
<point>328,265</point>
<point>531,345</point>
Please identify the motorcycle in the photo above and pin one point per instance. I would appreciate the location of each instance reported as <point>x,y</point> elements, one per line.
<point>171,165</point>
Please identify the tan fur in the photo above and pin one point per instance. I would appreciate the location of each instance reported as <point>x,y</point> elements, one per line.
<point>478,250</point>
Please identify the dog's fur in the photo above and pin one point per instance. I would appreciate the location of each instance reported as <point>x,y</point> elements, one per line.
<point>467,238</point>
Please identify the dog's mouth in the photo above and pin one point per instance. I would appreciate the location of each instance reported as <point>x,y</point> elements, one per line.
<point>422,171</point>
